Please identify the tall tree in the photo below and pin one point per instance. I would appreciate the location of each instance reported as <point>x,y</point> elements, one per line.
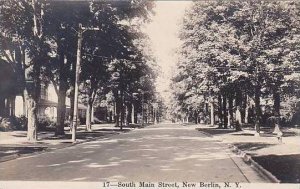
<point>22,23</point>
<point>228,44</point>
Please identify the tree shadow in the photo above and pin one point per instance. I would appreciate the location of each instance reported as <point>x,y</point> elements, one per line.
<point>252,146</point>
<point>162,154</point>
<point>89,134</point>
<point>267,135</point>
<point>108,130</point>
<point>243,134</point>
<point>216,131</point>
<point>19,150</point>
<point>289,133</point>
<point>285,167</point>
<point>285,134</point>
<point>19,135</point>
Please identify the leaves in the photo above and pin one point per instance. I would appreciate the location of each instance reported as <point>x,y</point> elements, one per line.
<point>236,43</point>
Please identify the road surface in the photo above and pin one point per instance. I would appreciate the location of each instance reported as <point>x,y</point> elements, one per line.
<point>165,152</point>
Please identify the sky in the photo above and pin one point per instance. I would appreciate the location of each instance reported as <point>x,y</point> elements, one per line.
<point>163,32</point>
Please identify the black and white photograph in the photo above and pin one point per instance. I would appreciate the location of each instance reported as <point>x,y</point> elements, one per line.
<point>149,94</point>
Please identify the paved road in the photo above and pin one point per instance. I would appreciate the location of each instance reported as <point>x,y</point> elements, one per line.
<point>166,152</point>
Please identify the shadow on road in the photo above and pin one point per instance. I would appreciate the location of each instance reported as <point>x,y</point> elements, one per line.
<point>252,146</point>
<point>10,150</point>
<point>118,155</point>
<point>216,131</point>
<point>85,135</point>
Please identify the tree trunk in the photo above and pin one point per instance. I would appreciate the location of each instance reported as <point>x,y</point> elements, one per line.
<point>89,116</point>
<point>12,105</point>
<point>225,112</point>
<point>196,117</point>
<point>246,110</point>
<point>220,114</point>
<point>32,95</point>
<point>156,116</point>
<point>206,108</point>
<point>132,113</point>
<point>238,114</point>
<point>122,110</point>
<point>238,119</point>
<point>117,112</point>
<point>93,116</point>
<point>276,98</point>
<point>2,106</point>
<point>24,106</point>
<point>257,109</point>
<point>32,117</point>
<point>32,90</point>
<point>126,114</point>
<point>62,92</point>
<point>148,113</point>
<point>6,107</point>
<point>114,112</point>
<point>212,113</point>
<point>230,111</point>
<point>61,111</point>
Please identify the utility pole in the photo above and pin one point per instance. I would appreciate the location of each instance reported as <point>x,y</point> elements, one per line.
<point>80,32</point>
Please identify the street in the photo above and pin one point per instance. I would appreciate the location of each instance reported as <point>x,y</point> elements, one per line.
<point>165,152</point>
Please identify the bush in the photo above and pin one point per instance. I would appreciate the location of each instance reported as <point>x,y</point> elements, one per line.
<point>6,124</point>
<point>21,123</point>
<point>13,123</point>
<point>82,120</point>
<point>46,124</point>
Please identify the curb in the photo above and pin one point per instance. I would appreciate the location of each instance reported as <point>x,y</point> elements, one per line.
<point>9,157</point>
<point>247,159</point>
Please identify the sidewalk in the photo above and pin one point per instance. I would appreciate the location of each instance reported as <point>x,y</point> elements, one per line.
<point>14,144</point>
<point>281,159</point>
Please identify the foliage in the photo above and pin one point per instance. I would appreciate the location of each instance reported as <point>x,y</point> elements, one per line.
<point>13,123</point>
<point>38,39</point>
<point>238,48</point>
<point>46,124</point>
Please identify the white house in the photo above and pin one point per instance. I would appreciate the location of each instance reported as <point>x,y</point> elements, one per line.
<point>47,106</point>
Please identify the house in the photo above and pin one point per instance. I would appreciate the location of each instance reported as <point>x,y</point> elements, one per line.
<point>8,89</point>
<point>47,105</point>
<point>12,102</point>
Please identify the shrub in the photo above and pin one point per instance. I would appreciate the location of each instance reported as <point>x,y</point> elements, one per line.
<point>21,123</point>
<point>6,124</point>
<point>13,123</point>
<point>46,124</point>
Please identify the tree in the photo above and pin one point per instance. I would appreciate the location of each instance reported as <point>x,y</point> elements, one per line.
<point>45,32</point>
<point>22,32</point>
<point>61,23</point>
<point>227,45</point>
<point>127,59</point>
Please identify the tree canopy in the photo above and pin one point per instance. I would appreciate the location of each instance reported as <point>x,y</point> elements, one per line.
<point>237,49</point>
